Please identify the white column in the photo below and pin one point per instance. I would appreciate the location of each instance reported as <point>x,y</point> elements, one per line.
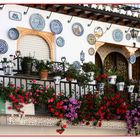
<point>129,70</point>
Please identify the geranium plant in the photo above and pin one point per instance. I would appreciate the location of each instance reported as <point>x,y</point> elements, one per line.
<point>102,78</point>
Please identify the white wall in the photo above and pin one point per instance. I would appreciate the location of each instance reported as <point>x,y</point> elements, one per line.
<point>73,44</point>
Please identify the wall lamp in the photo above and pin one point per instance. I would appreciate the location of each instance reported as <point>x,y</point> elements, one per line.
<point>134,33</point>
<point>82,56</point>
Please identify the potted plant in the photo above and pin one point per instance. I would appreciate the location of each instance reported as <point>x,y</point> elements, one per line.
<point>71,73</point>
<point>43,67</point>
<point>26,64</point>
<point>120,83</point>
<point>131,84</point>
<point>112,76</point>
<point>89,68</point>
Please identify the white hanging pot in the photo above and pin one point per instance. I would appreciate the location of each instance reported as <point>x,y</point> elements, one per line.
<point>101,86</point>
<point>57,79</point>
<point>91,75</point>
<point>112,79</point>
<point>120,86</point>
<point>130,88</point>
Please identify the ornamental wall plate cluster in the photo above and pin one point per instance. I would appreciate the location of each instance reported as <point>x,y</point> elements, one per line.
<point>98,32</point>
<point>37,22</point>
<point>117,35</point>
<point>13,33</point>
<point>91,51</point>
<point>3,46</point>
<point>91,39</point>
<point>77,29</point>
<point>60,41</point>
<point>56,26</point>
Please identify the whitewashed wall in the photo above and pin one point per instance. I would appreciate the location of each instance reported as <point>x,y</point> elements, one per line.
<point>73,44</point>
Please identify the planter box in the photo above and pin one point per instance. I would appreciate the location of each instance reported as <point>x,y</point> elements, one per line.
<point>28,109</point>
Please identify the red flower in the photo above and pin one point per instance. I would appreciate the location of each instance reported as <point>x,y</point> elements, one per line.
<point>56,113</point>
<point>64,126</point>
<point>9,107</point>
<point>52,109</point>
<point>100,124</point>
<point>60,131</point>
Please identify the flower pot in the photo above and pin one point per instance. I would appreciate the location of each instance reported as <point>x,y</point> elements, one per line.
<point>57,79</point>
<point>43,75</point>
<point>120,86</point>
<point>26,67</point>
<point>68,78</point>
<point>130,88</point>
<point>112,79</point>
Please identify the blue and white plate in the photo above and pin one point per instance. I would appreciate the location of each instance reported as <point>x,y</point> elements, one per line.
<point>76,65</point>
<point>3,46</point>
<point>37,22</point>
<point>117,35</point>
<point>132,59</point>
<point>128,36</point>
<point>77,29</point>
<point>56,26</point>
<point>13,33</point>
<point>60,41</point>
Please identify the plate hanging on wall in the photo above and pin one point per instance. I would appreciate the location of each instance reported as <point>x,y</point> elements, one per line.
<point>128,36</point>
<point>13,33</point>
<point>117,35</point>
<point>91,51</point>
<point>98,31</point>
<point>60,41</point>
<point>56,26</point>
<point>91,39</point>
<point>77,29</point>
<point>132,59</point>
<point>3,46</point>
<point>37,22</point>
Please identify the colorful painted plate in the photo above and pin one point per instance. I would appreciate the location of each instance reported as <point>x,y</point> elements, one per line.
<point>91,39</point>
<point>13,33</point>
<point>91,51</point>
<point>3,46</point>
<point>128,36</point>
<point>60,41</point>
<point>132,59</point>
<point>77,29</point>
<point>37,22</point>
<point>98,31</point>
<point>56,26</point>
<point>117,35</point>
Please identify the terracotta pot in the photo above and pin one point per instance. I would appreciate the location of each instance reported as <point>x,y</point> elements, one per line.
<point>43,75</point>
<point>68,78</point>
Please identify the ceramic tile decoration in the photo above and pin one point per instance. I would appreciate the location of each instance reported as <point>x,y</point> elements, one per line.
<point>132,59</point>
<point>3,46</point>
<point>128,36</point>
<point>91,51</point>
<point>117,35</point>
<point>91,39</point>
<point>77,29</point>
<point>13,15</point>
<point>98,31</point>
<point>13,33</point>
<point>37,22</point>
<point>60,41</point>
<point>56,26</point>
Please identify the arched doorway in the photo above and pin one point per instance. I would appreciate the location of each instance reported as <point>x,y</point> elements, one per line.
<point>98,62</point>
<point>136,69</point>
<point>116,60</point>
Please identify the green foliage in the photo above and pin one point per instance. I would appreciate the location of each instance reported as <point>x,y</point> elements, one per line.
<point>89,67</point>
<point>111,72</point>
<point>26,59</point>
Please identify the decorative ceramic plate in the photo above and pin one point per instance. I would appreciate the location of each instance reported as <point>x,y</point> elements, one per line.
<point>91,39</point>
<point>37,22</point>
<point>91,51</point>
<point>77,65</point>
<point>60,41</point>
<point>98,31</point>
<point>117,35</point>
<point>132,59</point>
<point>77,29</point>
<point>128,36</point>
<point>13,33</point>
<point>3,46</point>
<point>56,26</point>
<point>138,39</point>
